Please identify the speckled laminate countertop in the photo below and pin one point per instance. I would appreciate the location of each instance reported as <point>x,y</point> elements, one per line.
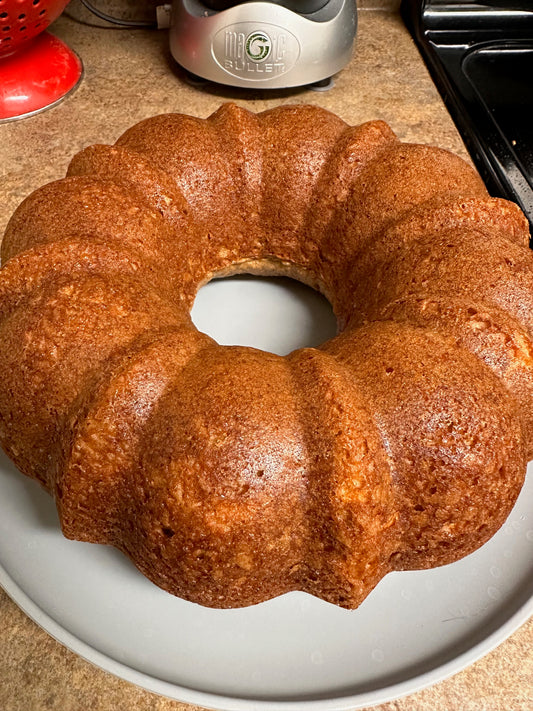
<point>129,76</point>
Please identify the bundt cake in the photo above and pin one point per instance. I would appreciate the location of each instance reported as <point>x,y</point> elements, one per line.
<point>231,475</point>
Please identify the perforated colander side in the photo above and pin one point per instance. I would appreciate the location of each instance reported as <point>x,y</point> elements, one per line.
<point>22,20</point>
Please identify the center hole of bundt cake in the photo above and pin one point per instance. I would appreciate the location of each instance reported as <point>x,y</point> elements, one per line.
<point>275,314</point>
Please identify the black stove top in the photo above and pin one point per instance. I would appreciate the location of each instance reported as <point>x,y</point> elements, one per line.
<point>480,55</point>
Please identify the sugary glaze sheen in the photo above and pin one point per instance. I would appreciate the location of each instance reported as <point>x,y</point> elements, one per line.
<point>230,475</point>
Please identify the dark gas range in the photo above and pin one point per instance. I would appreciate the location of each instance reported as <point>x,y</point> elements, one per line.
<point>480,55</point>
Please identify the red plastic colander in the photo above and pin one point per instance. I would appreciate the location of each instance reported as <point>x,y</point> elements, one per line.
<point>36,69</point>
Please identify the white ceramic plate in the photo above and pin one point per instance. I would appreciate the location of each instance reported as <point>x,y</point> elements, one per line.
<point>293,652</point>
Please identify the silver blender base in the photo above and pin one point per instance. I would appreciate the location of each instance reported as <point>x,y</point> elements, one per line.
<point>262,45</point>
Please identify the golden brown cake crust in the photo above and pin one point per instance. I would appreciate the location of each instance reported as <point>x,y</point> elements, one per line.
<point>231,475</point>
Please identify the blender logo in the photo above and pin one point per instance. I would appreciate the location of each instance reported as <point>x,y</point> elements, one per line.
<point>251,53</point>
<point>258,46</point>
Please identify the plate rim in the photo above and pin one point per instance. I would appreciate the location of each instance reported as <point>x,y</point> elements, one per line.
<point>222,702</point>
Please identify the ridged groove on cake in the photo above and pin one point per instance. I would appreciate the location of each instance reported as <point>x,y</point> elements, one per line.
<point>241,147</point>
<point>30,271</point>
<point>95,210</point>
<point>60,330</point>
<point>297,142</point>
<point>449,496</point>
<point>350,513</point>
<point>462,262</point>
<point>212,184</point>
<point>355,149</point>
<point>170,142</point>
<point>439,213</point>
<point>491,334</point>
<point>105,427</point>
<point>142,179</point>
<point>400,182</point>
<point>405,176</point>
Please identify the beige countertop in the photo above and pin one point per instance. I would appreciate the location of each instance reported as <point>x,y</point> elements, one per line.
<point>129,76</point>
